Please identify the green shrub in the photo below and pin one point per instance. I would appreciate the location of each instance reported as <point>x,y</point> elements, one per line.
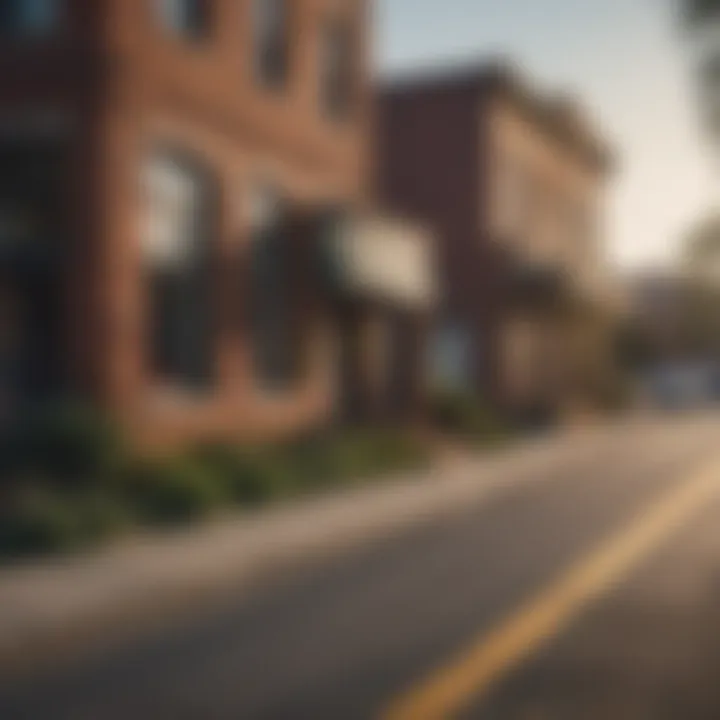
<point>101,516</point>
<point>463,414</point>
<point>69,443</point>
<point>39,516</point>
<point>251,476</point>
<point>321,461</point>
<point>38,521</point>
<point>173,491</point>
<point>261,475</point>
<point>356,454</point>
<point>399,451</point>
<point>359,454</point>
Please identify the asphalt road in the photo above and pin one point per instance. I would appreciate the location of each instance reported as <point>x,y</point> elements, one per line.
<point>590,590</point>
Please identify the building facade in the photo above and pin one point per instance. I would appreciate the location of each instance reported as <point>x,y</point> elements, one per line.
<point>168,169</point>
<point>511,183</point>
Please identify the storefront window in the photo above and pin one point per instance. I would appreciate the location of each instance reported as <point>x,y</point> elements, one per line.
<point>271,310</point>
<point>179,233</point>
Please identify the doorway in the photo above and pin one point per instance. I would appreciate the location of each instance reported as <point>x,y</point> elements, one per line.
<point>33,233</point>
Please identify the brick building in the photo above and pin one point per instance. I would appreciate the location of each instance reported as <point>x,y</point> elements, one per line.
<point>168,171</point>
<point>511,183</point>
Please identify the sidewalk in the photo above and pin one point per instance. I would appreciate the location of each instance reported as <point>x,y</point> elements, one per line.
<point>52,608</point>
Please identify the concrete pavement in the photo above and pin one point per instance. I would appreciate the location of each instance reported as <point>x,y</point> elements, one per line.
<point>345,636</point>
<point>58,607</point>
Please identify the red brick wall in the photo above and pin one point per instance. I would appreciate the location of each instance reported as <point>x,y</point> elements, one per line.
<point>440,143</point>
<point>126,84</point>
<point>429,149</point>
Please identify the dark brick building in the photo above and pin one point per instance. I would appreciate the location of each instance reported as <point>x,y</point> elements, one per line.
<point>167,171</point>
<point>511,183</point>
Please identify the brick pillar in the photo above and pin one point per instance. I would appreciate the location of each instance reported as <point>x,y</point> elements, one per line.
<point>118,328</point>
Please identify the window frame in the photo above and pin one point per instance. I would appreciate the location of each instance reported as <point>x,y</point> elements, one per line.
<point>195,32</point>
<point>269,230</point>
<point>27,34</point>
<point>180,277</point>
<point>270,43</point>
<point>337,70</point>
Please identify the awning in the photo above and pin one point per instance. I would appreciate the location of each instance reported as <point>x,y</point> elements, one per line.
<point>382,259</point>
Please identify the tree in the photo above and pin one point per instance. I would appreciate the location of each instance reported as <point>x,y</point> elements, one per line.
<point>702,295</point>
<point>698,12</point>
<point>701,20</point>
<point>702,248</point>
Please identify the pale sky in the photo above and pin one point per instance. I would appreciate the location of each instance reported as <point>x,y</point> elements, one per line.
<point>628,63</point>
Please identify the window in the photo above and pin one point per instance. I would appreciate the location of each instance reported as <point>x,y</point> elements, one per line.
<point>33,237</point>
<point>271,41</point>
<point>513,198</point>
<point>177,243</point>
<point>336,70</point>
<point>189,18</point>
<point>271,311</point>
<point>27,18</point>
<point>452,355</point>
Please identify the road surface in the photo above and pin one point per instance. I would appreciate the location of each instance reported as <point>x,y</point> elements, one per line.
<point>590,589</point>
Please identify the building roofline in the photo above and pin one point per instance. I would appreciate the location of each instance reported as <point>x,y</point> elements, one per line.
<point>503,78</point>
<point>470,73</point>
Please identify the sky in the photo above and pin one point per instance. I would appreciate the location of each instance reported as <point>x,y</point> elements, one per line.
<point>630,66</point>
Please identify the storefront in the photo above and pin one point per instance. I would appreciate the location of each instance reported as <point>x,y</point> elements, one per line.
<point>382,289</point>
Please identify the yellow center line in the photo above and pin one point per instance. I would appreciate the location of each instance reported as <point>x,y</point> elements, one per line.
<point>472,675</point>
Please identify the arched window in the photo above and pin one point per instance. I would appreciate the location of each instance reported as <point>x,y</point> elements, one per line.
<point>179,234</point>
<point>189,18</point>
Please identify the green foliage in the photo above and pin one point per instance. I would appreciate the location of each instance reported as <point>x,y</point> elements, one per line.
<point>352,456</point>
<point>386,450</point>
<point>69,443</point>
<point>330,459</point>
<point>171,491</point>
<point>73,486</point>
<point>39,517</point>
<point>39,522</point>
<point>698,12</point>
<point>356,454</point>
<point>42,520</point>
<point>101,515</point>
<point>464,415</point>
<point>261,475</point>
<point>249,476</point>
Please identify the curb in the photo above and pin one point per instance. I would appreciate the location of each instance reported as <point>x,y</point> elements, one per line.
<point>105,598</point>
